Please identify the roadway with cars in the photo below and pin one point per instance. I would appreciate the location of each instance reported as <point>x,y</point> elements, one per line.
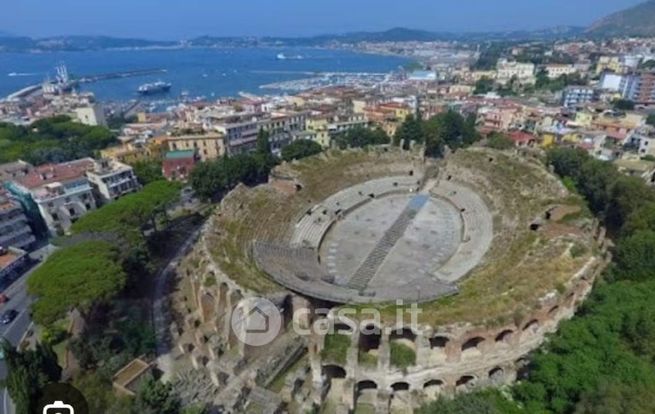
<point>14,331</point>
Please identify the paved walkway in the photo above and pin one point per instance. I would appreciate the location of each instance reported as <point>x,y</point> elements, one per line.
<point>161,315</point>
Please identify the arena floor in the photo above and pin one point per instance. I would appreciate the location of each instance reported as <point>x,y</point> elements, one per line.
<point>429,238</point>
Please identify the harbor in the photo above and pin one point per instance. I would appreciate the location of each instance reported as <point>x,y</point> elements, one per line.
<point>64,82</point>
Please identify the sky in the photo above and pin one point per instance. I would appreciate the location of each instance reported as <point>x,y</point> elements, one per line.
<point>180,19</point>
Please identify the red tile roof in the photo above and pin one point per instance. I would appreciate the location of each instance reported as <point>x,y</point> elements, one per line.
<point>51,173</point>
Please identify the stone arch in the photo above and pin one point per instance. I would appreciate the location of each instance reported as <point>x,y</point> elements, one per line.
<point>531,327</point>
<point>370,337</point>
<point>333,371</point>
<point>465,383</point>
<point>433,383</point>
<point>366,385</point>
<point>472,346</point>
<point>505,336</point>
<point>439,342</point>
<point>433,388</point>
<point>404,336</point>
<point>497,376</point>
<point>400,386</point>
<point>343,328</point>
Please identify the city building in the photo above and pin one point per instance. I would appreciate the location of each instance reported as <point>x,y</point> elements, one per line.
<point>611,81</point>
<point>13,262</point>
<point>178,165</point>
<point>92,114</point>
<point>639,87</point>
<point>318,125</point>
<point>62,192</point>
<point>554,71</point>
<point>13,170</point>
<point>577,95</point>
<point>240,135</point>
<point>609,63</point>
<point>522,72</point>
<point>345,122</point>
<point>15,230</point>
<point>208,146</point>
<point>112,179</point>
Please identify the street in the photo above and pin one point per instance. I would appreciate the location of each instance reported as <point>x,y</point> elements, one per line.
<point>14,331</point>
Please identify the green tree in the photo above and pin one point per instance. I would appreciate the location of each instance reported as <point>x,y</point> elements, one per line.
<point>28,373</point>
<point>623,105</point>
<point>263,142</point>
<point>55,139</point>
<point>155,397</point>
<point>80,276</point>
<point>409,131</point>
<point>129,216</point>
<point>650,120</point>
<point>618,398</point>
<point>148,171</point>
<point>499,141</point>
<point>483,85</point>
<point>480,402</point>
<point>300,149</point>
<point>361,137</point>
<point>635,256</point>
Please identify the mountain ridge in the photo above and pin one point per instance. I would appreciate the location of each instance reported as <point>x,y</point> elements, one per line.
<point>638,20</point>
<point>397,34</point>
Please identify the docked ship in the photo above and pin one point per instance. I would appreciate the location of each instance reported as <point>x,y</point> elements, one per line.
<point>154,88</point>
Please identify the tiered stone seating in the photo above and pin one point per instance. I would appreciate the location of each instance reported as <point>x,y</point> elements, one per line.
<point>311,227</point>
<point>478,229</point>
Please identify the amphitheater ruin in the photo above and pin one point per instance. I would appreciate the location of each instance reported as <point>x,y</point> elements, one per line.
<point>490,245</point>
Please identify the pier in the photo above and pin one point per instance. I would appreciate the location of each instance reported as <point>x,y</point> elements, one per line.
<point>34,90</point>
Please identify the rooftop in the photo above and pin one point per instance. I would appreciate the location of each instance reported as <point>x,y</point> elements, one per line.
<point>180,154</point>
<point>53,173</point>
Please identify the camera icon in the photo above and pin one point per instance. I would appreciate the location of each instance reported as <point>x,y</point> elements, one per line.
<point>58,407</point>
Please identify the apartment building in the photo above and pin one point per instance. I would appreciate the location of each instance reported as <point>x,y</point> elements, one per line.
<point>208,146</point>
<point>338,124</point>
<point>240,134</point>
<point>577,95</point>
<point>14,228</point>
<point>61,192</point>
<point>508,70</point>
<point>111,180</point>
<point>639,87</point>
<point>554,71</point>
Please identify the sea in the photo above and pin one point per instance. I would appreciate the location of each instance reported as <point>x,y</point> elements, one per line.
<point>195,72</point>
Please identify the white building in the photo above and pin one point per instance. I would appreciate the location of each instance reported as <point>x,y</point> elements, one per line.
<point>112,179</point>
<point>611,82</point>
<point>62,192</point>
<point>522,72</point>
<point>555,71</point>
<point>92,115</point>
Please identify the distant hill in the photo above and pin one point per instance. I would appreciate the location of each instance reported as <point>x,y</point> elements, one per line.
<point>635,21</point>
<point>398,34</point>
<point>74,43</point>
